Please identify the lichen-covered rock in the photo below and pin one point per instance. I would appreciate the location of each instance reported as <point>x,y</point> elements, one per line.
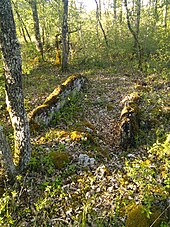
<point>85,160</point>
<point>129,121</point>
<point>43,114</point>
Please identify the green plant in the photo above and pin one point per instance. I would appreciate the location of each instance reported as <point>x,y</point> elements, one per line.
<point>41,162</point>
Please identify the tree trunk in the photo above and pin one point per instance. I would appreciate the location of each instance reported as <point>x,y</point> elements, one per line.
<point>13,84</point>
<point>100,24</point>
<point>6,161</point>
<point>65,47</point>
<point>135,33</point>
<point>121,13</point>
<point>166,13</point>
<point>138,11</point>
<point>33,4</point>
<point>22,22</point>
<point>115,10</point>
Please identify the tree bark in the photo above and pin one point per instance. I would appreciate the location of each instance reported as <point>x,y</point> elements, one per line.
<point>13,85</point>
<point>6,160</point>
<point>65,47</point>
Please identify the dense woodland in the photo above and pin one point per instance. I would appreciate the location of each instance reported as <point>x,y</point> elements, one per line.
<point>85,113</point>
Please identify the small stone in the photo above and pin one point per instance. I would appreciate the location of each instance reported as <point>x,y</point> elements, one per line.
<point>86,160</point>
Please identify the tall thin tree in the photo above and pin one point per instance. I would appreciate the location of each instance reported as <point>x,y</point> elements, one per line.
<point>135,31</point>
<point>100,23</point>
<point>39,44</point>
<point>23,25</point>
<point>65,42</point>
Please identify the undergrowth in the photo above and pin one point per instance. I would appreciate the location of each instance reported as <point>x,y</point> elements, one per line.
<point>57,190</point>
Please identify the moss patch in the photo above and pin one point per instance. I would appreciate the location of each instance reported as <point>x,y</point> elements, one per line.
<point>61,135</point>
<point>59,159</point>
<point>136,216</point>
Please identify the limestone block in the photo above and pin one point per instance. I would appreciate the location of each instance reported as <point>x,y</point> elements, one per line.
<point>43,114</point>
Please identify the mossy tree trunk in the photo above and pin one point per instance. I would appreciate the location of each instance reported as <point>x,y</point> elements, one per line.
<point>13,85</point>
<point>166,13</point>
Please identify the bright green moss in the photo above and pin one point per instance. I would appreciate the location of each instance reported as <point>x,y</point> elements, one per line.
<point>71,79</point>
<point>62,135</point>
<point>38,110</point>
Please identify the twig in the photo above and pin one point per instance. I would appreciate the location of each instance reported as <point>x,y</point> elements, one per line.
<point>159,216</point>
<point>60,219</point>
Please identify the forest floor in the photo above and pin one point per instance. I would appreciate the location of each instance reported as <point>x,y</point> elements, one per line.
<point>77,181</point>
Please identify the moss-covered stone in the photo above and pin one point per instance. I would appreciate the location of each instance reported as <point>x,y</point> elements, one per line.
<point>129,120</point>
<point>44,113</point>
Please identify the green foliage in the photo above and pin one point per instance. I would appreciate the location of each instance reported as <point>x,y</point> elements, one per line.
<point>69,112</point>
<point>31,58</point>
<point>41,161</point>
<point>151,175</point>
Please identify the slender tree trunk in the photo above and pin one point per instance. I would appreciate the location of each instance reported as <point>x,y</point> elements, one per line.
<point>100,24</point>
<point>23,34</point>
<point>100,9</point>
<point>39,45</point>
<point>115,10</point>
<point>65,47</point>
<point>156,10</point>
<point>138,11</point>
<point>166,13</point>
<point>121,13</point>
<point>22,22</point>
<point>13,85</point>
<point>135,34</point>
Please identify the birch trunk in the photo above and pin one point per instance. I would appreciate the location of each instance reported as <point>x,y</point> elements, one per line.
<point>13,84</point>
